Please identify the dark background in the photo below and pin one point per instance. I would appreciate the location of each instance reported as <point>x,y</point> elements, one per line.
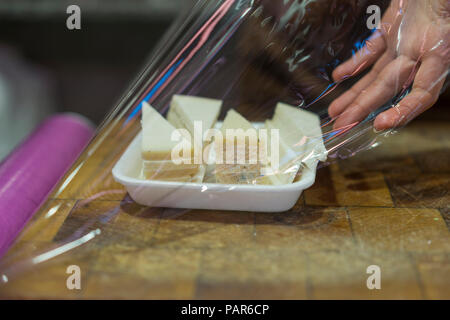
<point>90,67</point>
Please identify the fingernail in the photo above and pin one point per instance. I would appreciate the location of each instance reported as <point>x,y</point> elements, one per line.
<point>377,131</point>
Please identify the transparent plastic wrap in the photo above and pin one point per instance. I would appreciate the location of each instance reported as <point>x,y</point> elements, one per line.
<point>239,105</point>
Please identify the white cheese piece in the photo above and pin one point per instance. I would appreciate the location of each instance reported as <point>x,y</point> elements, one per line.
<point>157,143</point>
<point>244,167</point>
<point>301,131</point>
<point>185,110</point>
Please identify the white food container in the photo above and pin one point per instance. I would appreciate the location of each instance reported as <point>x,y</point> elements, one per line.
<point>211,196</point>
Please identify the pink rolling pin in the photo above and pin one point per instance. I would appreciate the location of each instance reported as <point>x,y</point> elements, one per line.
<point>30,172</point>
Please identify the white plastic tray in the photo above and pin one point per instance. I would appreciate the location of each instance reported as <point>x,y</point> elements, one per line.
<point>211,196</point>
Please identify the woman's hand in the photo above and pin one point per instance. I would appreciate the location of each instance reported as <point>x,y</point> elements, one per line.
<point>410,47</point>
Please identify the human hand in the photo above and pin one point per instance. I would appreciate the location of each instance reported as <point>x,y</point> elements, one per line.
<point>410,47</point>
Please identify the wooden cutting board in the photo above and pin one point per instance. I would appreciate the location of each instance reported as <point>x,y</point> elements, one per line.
<point>388,207</point>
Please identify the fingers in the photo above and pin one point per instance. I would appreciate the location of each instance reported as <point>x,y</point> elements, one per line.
<point>428,83</point>
<point>364,58</point>
<point>387,84</point>
<point>341,103</point>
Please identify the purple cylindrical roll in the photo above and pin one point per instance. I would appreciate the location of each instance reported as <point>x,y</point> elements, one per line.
<point>31,171</point>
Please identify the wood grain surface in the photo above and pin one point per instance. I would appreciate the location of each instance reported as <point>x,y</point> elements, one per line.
<point>389,206</point>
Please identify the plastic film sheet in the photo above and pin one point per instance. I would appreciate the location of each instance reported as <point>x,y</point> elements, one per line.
<point>325,79</point>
